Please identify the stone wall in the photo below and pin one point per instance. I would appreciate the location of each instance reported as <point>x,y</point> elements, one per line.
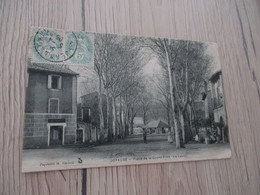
<point>36,129</point>
<point>38,94</point>
<point>91,132</point>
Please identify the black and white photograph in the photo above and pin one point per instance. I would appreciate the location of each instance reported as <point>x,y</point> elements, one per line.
<point>97,100</point>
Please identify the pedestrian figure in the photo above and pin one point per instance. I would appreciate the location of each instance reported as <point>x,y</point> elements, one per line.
<point>144,136</point>
<point>196,137</point>
<point>207,137</point>
<point>170,136</point>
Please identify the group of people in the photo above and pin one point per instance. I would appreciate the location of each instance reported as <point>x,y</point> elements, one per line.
<point>215,134</point>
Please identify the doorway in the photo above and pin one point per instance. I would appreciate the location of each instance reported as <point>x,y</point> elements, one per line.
<point>56,135</point>
<point>80,136</point>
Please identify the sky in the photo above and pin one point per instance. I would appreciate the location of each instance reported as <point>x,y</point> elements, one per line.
<point>153,66</point>
<point>86,81</point>
<point>213,51</point>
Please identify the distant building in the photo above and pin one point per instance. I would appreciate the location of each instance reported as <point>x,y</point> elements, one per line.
<point>157,126</point>
<point>199,109</point>
<point>51,106</point>
<point>214,99</point>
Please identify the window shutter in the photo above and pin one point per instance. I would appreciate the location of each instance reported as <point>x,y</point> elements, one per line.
<point>27,81</point>
<point>59,83</point>
<point>82,114</point>
<point>49,81</point>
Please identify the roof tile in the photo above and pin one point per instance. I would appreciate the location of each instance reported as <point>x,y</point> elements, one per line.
<point>51,68</point>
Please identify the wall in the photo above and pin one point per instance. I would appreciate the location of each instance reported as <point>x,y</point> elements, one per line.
<point>233,25</point>
<point>38,94</point>
<point>36,130</point>
<point>91,101</point>
<point>220,112</point>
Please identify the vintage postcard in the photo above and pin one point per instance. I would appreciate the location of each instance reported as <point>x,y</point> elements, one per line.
<point>96,100</point>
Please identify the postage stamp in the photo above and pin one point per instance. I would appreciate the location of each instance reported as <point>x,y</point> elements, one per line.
<point>57,46</point>
<point>97,100</point>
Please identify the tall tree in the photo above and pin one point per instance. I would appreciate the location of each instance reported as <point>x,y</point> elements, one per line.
<point>145,103</point>
<point>192,67</point>
<point>186,64</point>
<point>118,64</point>
<point>167,51</point>
<point>105,50</point>
<point>161,84</point>
<point>99,61</point>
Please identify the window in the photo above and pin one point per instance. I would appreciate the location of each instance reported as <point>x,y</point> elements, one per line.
<point>53,105</point>
<point>27,79</point>
<point>86,115</point>
<point>54,82</point>
<point>220,92</point>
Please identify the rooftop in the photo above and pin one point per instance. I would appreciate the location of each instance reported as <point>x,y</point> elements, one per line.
<point>156,124</point>
<point>56,68</point>
<point>95,93</point>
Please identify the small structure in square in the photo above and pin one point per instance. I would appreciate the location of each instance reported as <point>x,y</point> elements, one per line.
<point>51,106</point>
<point>157,127</point>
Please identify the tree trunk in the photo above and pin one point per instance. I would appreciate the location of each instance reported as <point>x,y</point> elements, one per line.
<point>122,121</point>
<point>116,121</point>
<point>176,133</point>
<point>168,115</point>
<point>132,126</point>
<point>194,119</point>
<point>177,138</point>
<point>223,135</point>
<point>144,117</point>
<point>181,113</point>
<point>126,119</point>
<point>132,121</point>
<point>190,121</point>
<point>101,117</point>
<point>120,117</point>
<point>113,117</point>
<point>109,133</point>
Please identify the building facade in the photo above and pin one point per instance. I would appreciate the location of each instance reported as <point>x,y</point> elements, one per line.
<point>88,116</point>
<point>157,127</point>
<point>50,107</point>
<point>213,97</point>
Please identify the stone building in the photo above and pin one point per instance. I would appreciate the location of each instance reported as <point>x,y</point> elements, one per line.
<point>157,127</point>
<point>213,97</point>
<point>88,116</point>
<point>51,106</point>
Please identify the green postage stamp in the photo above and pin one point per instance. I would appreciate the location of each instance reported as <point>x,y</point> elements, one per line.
<point>56,46</point>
